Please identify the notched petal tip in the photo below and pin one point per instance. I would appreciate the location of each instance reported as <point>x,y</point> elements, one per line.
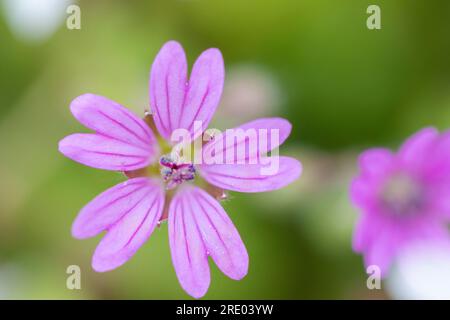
<point>176,100</point>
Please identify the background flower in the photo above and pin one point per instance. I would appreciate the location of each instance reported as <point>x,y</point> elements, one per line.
<point>402,197</point>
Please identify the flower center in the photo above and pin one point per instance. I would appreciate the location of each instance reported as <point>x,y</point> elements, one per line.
<point>175,173</point>
<point>402,195</point>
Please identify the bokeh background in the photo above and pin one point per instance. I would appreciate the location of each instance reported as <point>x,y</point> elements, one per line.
<point>343,87</point>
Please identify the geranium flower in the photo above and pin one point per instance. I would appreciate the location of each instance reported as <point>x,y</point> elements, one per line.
<point>160,185</point>
<point>404,198</point>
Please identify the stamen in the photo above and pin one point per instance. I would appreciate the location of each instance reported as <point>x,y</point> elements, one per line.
<point>175,173</point>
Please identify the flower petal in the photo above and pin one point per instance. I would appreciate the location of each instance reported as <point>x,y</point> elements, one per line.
<point>205,89</point>
<point>360,234</point>
<point>258,177</point>
<point>250,140</point>
<point>381,239</point>
<point>99,151</point>
<point>416,150</point>
<point>127,235</point>
<point>177,103</point>
<point>108,207</point>
<point>188,251</point>
<point>215,235</point>
<point>437,168</point>
<point>382,251</point>
<point>122,140</point>
<point>375,163</point>
<point>168,86</point>
<point>363,193</point>
<point>220,236</point>
<point>112,120</point>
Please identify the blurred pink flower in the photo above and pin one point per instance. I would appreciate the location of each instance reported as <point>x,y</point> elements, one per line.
<point>404,198</point>
<point>129,212</point>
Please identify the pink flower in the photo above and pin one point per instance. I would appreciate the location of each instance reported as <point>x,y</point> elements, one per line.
<point>129,211</point>
<point>404,198</point>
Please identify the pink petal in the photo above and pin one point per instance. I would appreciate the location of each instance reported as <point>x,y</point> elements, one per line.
<point>382,251</point>
<point>110,206</point>
<point>205,89</point>
<point>416,150</point>
<point>389,240</point>
<point>111,119</point>
<point>99,151</point>
<point>122,140</point>
<point>381,239</point>
<point>220,236</point>
<point>375,163</point>
<point>364,193</point>
<point>360,234</point>
<point>250,177</point>
<point>188,251</point>
<point>249,140</point>
<point>168,86</point>
<point>177,103</point>
<point>127,235</point>
<point>217,237</point>
<point>438,161</point>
